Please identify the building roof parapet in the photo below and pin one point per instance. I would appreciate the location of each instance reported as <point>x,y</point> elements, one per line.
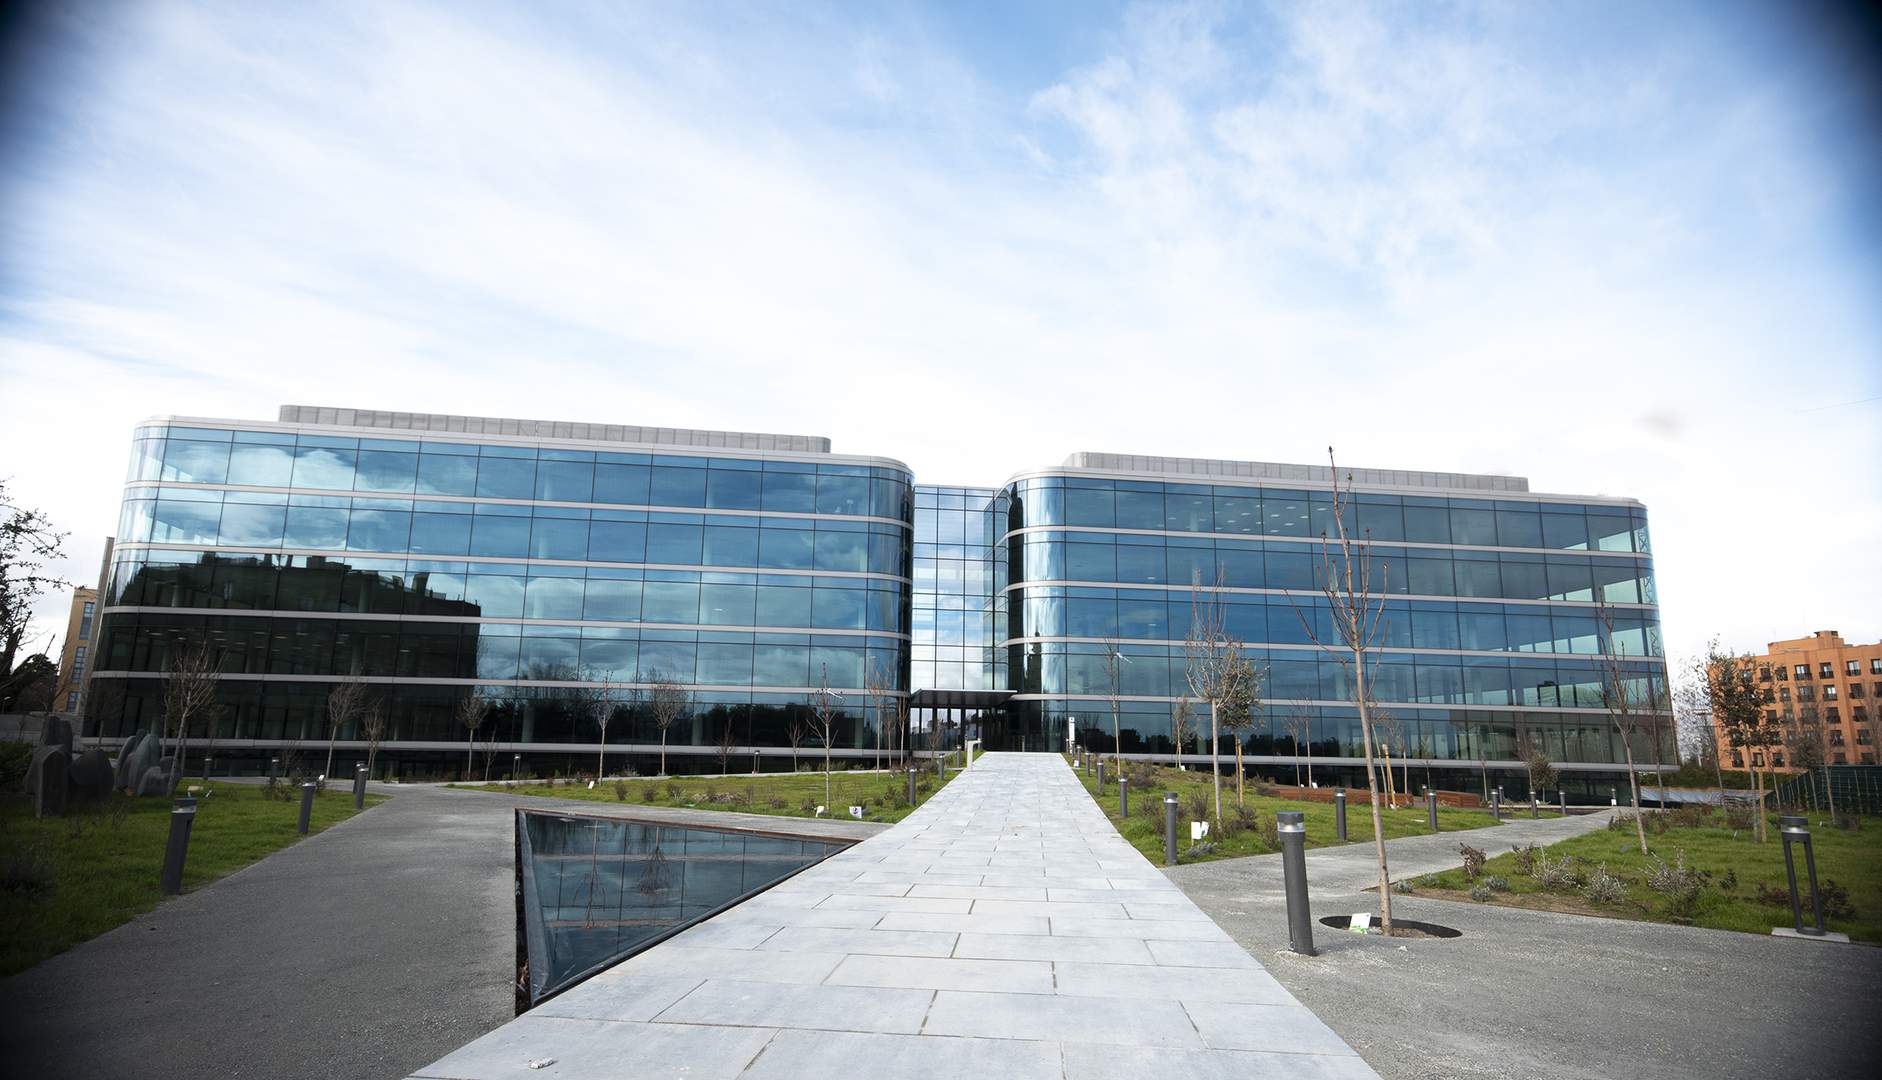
<point>1274,470</point>
<point>329,416</point>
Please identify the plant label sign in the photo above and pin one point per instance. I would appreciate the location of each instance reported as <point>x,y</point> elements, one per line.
<point>1198,830</point>
<point>1361,922</point>
<point>856,812</point>
<point>819,811</point>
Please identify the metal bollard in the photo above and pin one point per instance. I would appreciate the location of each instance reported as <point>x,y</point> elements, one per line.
<point>182,816</point>
<point>207,763</point>
<point>1124,796</point>
<point>1496,804</point>
<point>1169,828</point>
<point>1339,813</point>
<point>1563,795</point>
<point>1535,808</point>
<point>1100,774</point>
<point>274,768</point>
<point>1793,829</point>
<point>307,806</point>
<point>1431,808</point>
<point>359,787</point>
<point>1293,834</point>
<point>516,767</point>
<point>911,785</point>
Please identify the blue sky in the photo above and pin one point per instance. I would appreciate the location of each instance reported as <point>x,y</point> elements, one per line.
<point>1617,248</point>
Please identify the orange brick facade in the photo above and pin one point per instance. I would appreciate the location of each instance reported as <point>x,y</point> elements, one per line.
<point>1819,687</point>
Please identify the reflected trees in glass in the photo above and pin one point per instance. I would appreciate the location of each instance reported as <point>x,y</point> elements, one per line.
<point>668,701</point>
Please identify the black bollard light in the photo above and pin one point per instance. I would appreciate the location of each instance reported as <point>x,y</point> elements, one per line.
<point>359,786</point>
<point>1431,808</point>
<point>274,768</point>
<point>1169,828</point>
<point>516,767</point>
<point>1563,796</point>
<point>1290,827</point>
<point>207,763</point>
<point>1793,829</point>
<point>1535,808</point>
<point>1100,774</point>
<point>1124,796</point>
<point>307,806</point>
<point>182,816</point>
<point>1496,804</point>
<point>1339,814</point>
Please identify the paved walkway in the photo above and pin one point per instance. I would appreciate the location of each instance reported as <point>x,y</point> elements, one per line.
<point>1539,995</point>
<point>1003,930</point>
<point>363,951</point>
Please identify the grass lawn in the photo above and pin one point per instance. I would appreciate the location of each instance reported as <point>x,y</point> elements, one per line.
<point>1741,883</point>
<point>66,880</point>
<point>1144,828</point>
<point>881,795</point>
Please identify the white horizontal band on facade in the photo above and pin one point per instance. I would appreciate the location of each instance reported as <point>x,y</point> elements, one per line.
<point>417,436</point>
<point>526,684</point>
<point>478,620</point>
<point>1209,480</point>
<point>358,746</point>
<point>491,500</point>
<point>1243,590</point>
<point>503,560</point>
<point>1472,764</point>
<point>1102,703</point>
<point>1334,652</point>
<point>1421,545</point>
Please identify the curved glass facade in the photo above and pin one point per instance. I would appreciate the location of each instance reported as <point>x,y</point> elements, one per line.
<point>1490,637</point>
<point>511,568</point>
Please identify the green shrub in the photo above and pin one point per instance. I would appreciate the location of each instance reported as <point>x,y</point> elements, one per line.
<point>1480,893</point>
<point>1473,861</point>
<point>1603,887</point>
<point>15,759</point>
<point>1496,883</point>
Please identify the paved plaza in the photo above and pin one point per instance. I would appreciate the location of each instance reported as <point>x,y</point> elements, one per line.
<point>1004,929</point>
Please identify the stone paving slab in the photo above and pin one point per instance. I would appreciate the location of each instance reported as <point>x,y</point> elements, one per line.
<point>1004,929</point>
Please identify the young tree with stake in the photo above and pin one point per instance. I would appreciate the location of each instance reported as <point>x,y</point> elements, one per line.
<point>470,713</point>
<point>1213,666</point>
<point>346,702</point>
<point>1182,719</point>
<point>189,695</point>
<point>1624,703</point>
<point>668,701</point>
<point>826,705</point>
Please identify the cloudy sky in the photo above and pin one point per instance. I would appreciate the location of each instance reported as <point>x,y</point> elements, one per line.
<point>1622,249</point>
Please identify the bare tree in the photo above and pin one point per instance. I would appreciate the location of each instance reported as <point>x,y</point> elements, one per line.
<point>1213,666</point>
<point>1182,720</point>
<point>593,701</point>
<point>1624,704</point>
<point>1239,711</point>
<point>346,701</point>
<point>668,701</point>
<point>470,713</point>
<point>726,744</point>
<point>1737,708</point>
<point>1385,723</point>
<point>826,706</point>
<point>372,722</point>
<point>1357,600</point>
<point>879,688</point>
<point>27,543</point>
<point>189,694</point>
<point>1298,723</point>
<point>1113,674</point>
<point>798,728</point>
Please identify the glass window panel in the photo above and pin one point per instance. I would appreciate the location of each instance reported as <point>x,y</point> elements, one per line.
<point>1429,577</point>
<point>1190,564</point>
<point>1524,579</point>
<point>441,534</point>
<point>842,665</point>
<point>1090,562</point>
<point>196,462</point>
<point>675,486</point>
<point>1381,522</point>
<point>616,601</point>
<point>185,521</point>
<point>733,490</point>
<point>842,551</point>
<point>1290,570</point>
<point>1238,514</point>
<point>621,484</point>
<point>553,598</point>
<point>1427,524</point>
<point>1477,527</point>
<point>497,657</point>
<point>558,538</point>
<point>669,602</point>
<point>611,658</point>
<point>1518,528</point>
<point>1439,683</point>
<point>1091,618</point>
<point>1529,633</point>
<point>617,541</point>
<point>506,478</point>
<point>727,605</point>
<point>565,481</point>
<point>1615,578</point>
<point>324,467</point>
<point>1477,577</point>
<point>1576,634</point>
<point>496,596</point>
<point>384,470</point>
<point>1140,510</point>
<point>553,658</point>
<point>730,546</point>
<point>780,606</point>
<point>679,545</point>
<point>316,527</point>
<point>1434,629</point>
<point>1564,530</point>
<point>379,530</point>
<point>1285,513</point>
<point>786,549</point>
<point>260,465</point>
<point>1091,506</point>
<point>253,525</point>
<point>792,492</point>
<point>781,665</point>
<point>447,474</point>
<point>1143,618</point>
<point>842,494</point>
<point>500,537</point>
<point>1188,512</point>
<point>837,609</point>
<point>1480,629</point>
<point>669,659</point>
<point>1569,580</point>
<point>1610,532</point>
<point>1141,564</point>
<point>725,664</point>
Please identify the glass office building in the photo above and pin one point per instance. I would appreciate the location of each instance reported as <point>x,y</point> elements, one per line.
<point>436,557</point>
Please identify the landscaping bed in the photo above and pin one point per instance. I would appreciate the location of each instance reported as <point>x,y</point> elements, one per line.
<point>882,795</point>
<point>1704,868</point>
